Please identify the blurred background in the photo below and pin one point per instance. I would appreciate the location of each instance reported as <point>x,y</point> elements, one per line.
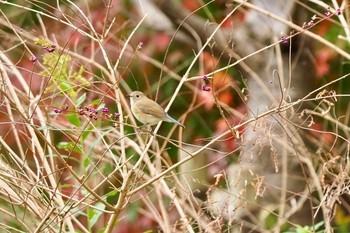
<point>261,86</point>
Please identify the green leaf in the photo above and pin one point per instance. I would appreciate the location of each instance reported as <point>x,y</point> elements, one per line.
<point>85,134</point>
<point>41,42</point>
<point>102,230</point>
<point>95,102</point>
<point>73,119</point>
<point>69,146</point>
<point>318,225</point>
<point>133,211</point>
<point>80,100</point>
<point>65,87</point>
<point>94,214</point>
<point>112,197</point>
<point>86,163</point>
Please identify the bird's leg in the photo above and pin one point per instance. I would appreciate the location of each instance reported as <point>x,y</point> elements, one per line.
<point>147,127</point>
<point>149,130</point>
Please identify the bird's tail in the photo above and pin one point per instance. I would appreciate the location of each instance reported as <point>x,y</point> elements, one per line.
<point>175,121</point>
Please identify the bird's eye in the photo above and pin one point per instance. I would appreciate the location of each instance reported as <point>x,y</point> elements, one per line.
<point>137,96</point>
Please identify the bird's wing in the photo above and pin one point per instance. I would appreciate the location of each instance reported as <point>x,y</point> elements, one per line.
<point>155,110</point>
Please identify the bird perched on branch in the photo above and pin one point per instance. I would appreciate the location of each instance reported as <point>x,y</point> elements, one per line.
<point>148,111</point>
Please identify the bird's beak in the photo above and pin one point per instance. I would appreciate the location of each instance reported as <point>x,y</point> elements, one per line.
<point>129,95</point>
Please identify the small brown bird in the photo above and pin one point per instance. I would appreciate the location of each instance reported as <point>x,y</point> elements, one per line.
<point>148,111</point>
